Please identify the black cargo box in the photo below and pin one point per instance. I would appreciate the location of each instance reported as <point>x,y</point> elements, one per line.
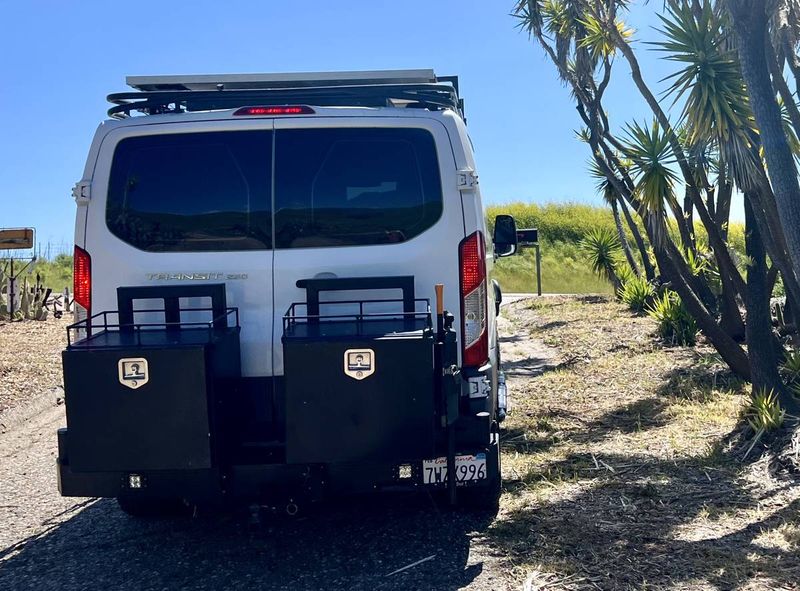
<point>144,397</point>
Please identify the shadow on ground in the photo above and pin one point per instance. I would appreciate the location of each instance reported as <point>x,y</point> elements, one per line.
<point>633,528</point>
<point>343,545</point>
<point>632,520</point>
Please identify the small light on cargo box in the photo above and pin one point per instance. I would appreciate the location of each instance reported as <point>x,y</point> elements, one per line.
<point>135,480</point>
<point>284,110</point>
<point>404,471</point>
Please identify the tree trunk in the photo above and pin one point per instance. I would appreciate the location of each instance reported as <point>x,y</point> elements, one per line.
<point>730,317</point>
<point>763,359</point>
<point>750,25</point>
<point>769,226</point>
<point>687,213</point>
<point>623,239</point>
<point>649,271</point>
<point>686,233</point>
<point>722,211</point>
<point>781,88</point>
<point>727,348</point>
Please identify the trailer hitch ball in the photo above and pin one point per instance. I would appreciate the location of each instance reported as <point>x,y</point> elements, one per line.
<point>292,509</point>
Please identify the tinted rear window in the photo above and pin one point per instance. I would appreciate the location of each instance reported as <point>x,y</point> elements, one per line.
<point>344,187</point>
<point>192,192</point>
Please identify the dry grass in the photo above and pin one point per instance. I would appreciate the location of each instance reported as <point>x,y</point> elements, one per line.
<point>618,465</point>
<point>30,359</point>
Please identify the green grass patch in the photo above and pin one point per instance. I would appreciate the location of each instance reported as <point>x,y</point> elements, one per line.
<point>565,269</point>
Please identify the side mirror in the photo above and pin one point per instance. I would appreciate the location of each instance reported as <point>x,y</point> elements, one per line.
<point>505,236</point>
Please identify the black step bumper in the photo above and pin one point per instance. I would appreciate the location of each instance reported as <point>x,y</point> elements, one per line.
<point>258,483</point>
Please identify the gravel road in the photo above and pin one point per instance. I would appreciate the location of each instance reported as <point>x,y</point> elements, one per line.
<point>49,542</point>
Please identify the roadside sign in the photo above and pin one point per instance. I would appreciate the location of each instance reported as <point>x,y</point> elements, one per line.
<point>16,238</point>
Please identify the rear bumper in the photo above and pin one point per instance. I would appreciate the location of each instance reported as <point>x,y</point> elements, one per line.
<point>262,482</point>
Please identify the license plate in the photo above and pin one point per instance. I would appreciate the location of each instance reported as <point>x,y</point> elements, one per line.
<point>468,468</point>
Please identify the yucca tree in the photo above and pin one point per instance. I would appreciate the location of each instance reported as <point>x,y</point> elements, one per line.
<point>605,13</point>
<point>597,34</point>
<point>726,137</point>
<point>716,112</point>
<point>715,120</point>
<point>612,199</point>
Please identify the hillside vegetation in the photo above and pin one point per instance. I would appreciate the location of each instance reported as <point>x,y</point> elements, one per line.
<point>565,268</point>
<point>561,228</point>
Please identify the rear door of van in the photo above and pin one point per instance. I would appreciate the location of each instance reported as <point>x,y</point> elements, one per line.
<point>363,197</point>
<point>187,203</point>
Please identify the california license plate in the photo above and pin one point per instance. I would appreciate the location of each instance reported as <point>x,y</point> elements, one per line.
<point>468,468</point>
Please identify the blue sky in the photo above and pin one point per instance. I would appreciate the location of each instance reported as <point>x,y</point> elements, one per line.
<point>61,58</point>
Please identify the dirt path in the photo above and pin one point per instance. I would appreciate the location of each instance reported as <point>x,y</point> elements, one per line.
<point>30,360</point>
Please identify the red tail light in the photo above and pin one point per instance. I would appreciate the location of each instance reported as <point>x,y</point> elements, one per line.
<point>82,278</point>
<point>288,110</point>
<point>474,331</point>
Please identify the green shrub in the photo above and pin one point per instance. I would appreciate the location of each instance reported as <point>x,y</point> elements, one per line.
<point>791,366</point>
<point>55,273</point>
<point>675,324</point>
<point>637,293</point>
<point>562,226</point>
<point>556,222</point>
<point>625,273</point>
<point>603,250</point>
<point>764,414</point>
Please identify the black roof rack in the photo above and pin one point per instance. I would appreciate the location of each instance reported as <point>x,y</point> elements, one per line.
<point>392,88</point>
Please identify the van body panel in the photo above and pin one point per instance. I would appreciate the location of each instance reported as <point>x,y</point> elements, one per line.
<point>262,283</point>
<point>431,257</point>
<point>115,263</point>
<point>475,216</point>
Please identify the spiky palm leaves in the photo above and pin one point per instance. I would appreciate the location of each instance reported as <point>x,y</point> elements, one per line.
<point>650,154</point>
<point>716,108</point>
<point>613,198</point>
<point>603,250</point>
<point>574,37</point>
<point>597,38</point>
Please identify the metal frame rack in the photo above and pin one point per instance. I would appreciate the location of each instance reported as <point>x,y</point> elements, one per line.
<point>420,89</point>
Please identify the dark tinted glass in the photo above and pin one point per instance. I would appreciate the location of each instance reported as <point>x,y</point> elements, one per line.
<point>342,187</point>
<point>192,192</point>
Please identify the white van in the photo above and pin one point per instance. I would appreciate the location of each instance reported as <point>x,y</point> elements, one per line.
<point>284,193</point>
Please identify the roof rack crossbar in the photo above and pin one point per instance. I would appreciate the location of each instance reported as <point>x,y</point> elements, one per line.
<point>442,94</point>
